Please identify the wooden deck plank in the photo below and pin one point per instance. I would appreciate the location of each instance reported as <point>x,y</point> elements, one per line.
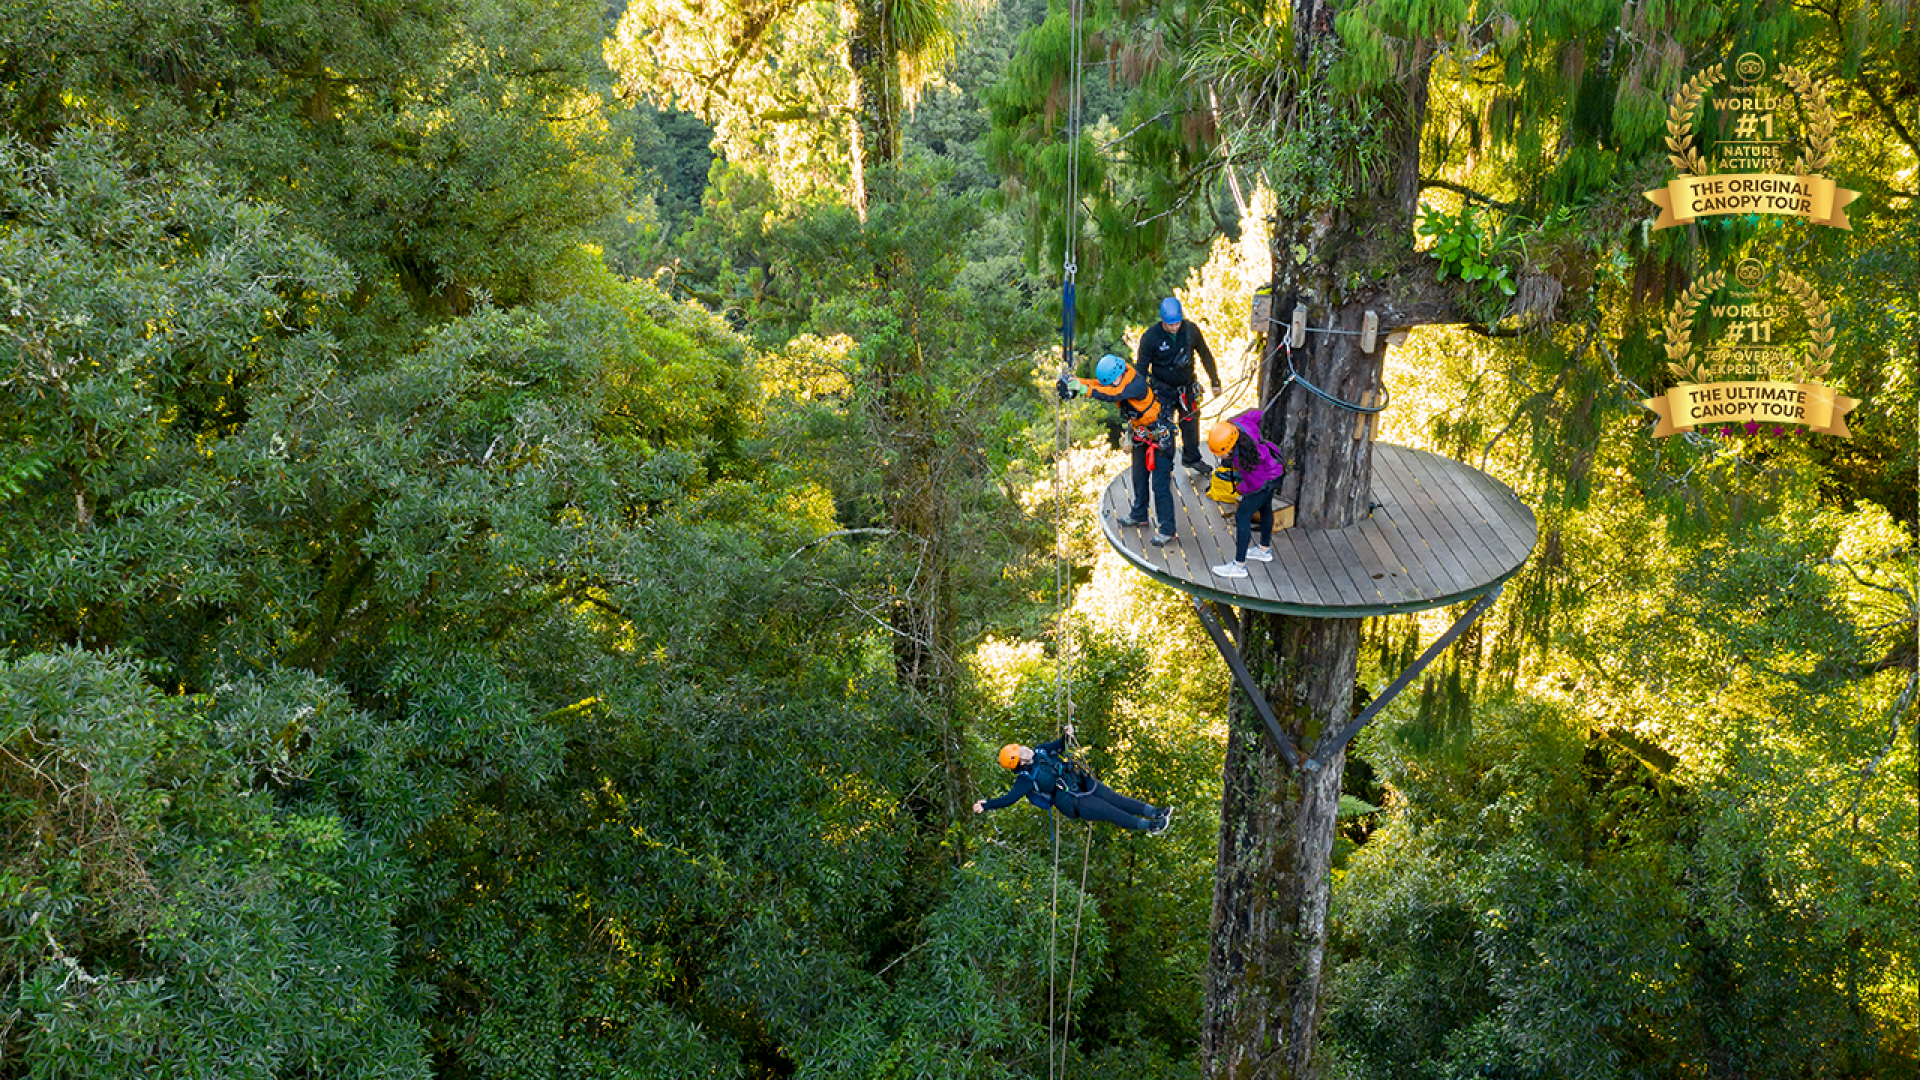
<point>1372,531</point>
<point>1463,517</point>
<point>1508,513</point>
<point>1361,564</point>
<point>1206,516</point>
<point>1409,513</point>
<point>1449,528</point>
<point>1196,539</point>
<point>1393,525</point>
<point>1458,485</point>
<point>1431,524</point>
<point>1333,574</point>
<point>1307,575</point>
<point>1380,559</point>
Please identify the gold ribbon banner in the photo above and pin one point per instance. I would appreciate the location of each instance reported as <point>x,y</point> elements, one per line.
<point>1815,198</point>
<point>1692,405</point>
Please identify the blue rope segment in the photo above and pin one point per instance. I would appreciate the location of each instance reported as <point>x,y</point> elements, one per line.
<point>1066,325</point>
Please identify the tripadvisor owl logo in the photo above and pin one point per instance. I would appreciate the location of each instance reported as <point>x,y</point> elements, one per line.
<point>1750,353</point>
<point>1775,132</point>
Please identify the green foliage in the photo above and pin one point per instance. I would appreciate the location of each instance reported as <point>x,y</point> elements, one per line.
<point>163,916</point>
<point>1467,247</point>
<point>1138,224</point>
<point>424,649</point>
<point>445,148</point>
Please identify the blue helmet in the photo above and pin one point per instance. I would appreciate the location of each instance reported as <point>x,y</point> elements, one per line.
<point>1170,310</point>
<point>1109,370</point>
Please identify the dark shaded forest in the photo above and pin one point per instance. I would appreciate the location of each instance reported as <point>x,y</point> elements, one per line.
<point>524,528</point>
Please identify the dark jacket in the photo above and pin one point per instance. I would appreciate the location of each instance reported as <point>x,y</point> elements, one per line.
<point>1167,358</point>
<point>1036,782</point>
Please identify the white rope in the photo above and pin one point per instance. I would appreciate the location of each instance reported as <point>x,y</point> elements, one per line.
<point>1063,654</point>
<point>1073,961</point>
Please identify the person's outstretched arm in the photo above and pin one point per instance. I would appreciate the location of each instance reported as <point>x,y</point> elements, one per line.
<point>1022,787</point>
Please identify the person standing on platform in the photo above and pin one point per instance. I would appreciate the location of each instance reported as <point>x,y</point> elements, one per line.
<point>1166,354</point>
<point>1237,443</point>
<point>1148,427</point>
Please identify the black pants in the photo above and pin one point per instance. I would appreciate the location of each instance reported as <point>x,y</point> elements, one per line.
<point>1159,481</point>
<point>1259,504</point>
<point>1105,804</point>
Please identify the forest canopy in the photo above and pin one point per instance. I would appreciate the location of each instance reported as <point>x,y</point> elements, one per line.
<point>525,527</point>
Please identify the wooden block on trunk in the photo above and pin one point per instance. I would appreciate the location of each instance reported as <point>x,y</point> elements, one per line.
<point>1363,422</point>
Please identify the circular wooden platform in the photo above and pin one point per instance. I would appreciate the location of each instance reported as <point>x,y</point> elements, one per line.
<point>1445,532</point>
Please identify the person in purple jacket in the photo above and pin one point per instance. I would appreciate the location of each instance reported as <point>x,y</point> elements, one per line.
<point>1237,443</point>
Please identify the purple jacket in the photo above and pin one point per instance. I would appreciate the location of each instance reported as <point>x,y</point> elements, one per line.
<point>1269,466</point>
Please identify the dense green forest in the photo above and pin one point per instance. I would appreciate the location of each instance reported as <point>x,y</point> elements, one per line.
<point>525,525</point>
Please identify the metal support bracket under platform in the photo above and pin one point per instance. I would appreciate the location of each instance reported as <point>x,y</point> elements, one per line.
<point>1329,747</point>
<point>1245,678</point>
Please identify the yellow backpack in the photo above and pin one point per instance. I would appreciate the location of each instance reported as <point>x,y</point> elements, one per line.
<point>1223,487</point>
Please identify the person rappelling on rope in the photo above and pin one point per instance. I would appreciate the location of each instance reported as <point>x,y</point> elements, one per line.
<point>1256,466</point>
<point>1044,776</point>
<point>1151,430</point>
<point>1166,355</point>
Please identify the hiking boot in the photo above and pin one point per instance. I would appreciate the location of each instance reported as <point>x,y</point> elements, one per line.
<point>1162,539</point>
<point>1232,569</point>
<point>1135,521</point>
<point>1200,467</point>
<point>1259,554</point>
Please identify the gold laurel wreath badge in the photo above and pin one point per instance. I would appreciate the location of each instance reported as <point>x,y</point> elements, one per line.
<point>1686,102</point>
<point>1819,326</point>
<point>1679,344</point>
<point>1818,151</point>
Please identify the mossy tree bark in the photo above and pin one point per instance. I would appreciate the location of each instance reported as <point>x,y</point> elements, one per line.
<point>875,99</point>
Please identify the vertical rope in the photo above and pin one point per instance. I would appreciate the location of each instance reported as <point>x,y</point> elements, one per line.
<point>1070,267</point>
<point>1073,962</point>
<point>1053,936</point>
<point>1063,661</point>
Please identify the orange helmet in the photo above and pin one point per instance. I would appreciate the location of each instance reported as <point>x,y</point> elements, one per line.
<point>1221,438</point>
<point>1010,755</point>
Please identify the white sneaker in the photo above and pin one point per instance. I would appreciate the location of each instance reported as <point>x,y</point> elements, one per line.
<point>1161,823</point>
<point>1232,569</point>
<point>1260,554</point>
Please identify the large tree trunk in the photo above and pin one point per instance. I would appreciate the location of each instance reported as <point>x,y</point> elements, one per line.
<point>874,105</point>
<point>1268,936</point>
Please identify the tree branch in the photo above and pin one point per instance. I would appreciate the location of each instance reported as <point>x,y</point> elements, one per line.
<point>1462,189</point>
